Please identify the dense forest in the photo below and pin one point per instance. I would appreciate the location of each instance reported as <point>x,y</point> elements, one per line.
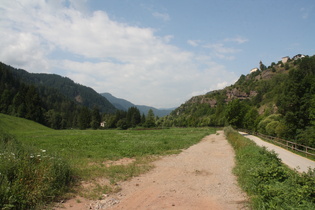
<point>81,94</point>
<point>42,103</point>
<point>277,100</point>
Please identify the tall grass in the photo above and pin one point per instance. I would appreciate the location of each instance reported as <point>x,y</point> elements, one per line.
<point>29,178</point>
<point>269,183</point>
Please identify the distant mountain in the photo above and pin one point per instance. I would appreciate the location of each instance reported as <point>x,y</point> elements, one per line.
<point>123,104</point>
<point>119,103</point>
<point>81,94</point>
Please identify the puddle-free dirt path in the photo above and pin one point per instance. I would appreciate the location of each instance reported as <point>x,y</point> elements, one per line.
<point>198,178</point>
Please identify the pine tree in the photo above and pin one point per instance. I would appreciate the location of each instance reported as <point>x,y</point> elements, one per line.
<point>150,119</point>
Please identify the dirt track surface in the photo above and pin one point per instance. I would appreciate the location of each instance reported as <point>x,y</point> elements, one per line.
<point>198,178</point>
<point>294,161</point>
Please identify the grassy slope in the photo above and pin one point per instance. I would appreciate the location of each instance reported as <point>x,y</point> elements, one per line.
<point>16,125</point>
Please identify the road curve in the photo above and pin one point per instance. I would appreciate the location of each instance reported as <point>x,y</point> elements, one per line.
<point>294,161</point>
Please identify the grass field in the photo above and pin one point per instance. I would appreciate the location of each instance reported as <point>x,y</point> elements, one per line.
<point>86,151</point>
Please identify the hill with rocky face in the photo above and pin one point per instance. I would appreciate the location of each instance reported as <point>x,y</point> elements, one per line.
<point>277,100</point>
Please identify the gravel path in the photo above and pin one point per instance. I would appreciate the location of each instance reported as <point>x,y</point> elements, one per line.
<point>293,160</point>
<point>198,178</point>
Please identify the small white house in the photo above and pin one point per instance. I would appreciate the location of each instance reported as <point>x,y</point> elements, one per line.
<point>102,124</point>
<point>254,70</point>
<point>298,56</point>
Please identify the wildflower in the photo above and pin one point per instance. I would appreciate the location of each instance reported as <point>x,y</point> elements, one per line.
<point>38,155</point>
<point>32,156</point>
<point>43,150</point>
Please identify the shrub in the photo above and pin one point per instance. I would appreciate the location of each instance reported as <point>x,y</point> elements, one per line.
<point>269,183</point>
<point>29,178</point>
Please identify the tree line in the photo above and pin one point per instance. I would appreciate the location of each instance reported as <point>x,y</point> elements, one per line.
<point>130,119</point>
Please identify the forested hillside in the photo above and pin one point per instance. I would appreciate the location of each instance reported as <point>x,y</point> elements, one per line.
<point>83,95</point>
<point>277,100</point>
<point>27,95</point>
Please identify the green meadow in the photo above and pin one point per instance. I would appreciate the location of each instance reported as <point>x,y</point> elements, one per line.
<point>87,151</point>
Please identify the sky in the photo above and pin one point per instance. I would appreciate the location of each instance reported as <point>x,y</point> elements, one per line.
<point>157,53</point>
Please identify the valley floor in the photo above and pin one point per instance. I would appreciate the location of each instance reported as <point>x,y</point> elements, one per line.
<point>197,178</point>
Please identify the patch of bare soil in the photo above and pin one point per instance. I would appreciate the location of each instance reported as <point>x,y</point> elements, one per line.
<point>123,161</point>
<point>198,178</point>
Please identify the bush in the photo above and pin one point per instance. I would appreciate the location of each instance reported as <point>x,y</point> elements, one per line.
<point>29,178</point>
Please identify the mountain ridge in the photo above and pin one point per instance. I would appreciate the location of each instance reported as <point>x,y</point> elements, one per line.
<point>79,93</point>
<point>123,104</point>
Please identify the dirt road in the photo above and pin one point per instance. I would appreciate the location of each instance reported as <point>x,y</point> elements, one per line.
<point>198,178</point>
<point>291,159</point>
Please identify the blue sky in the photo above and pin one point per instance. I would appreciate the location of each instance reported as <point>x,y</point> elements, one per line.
<point>153,52</point>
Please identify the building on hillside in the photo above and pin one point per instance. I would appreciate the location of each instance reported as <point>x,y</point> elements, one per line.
<point>298,56</point>
<point>254,70</point>
<point>285,59</point>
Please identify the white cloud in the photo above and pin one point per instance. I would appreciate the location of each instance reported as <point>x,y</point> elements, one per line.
<point>24,50</point>
<point>128,61</point>
<point>238,40</point>
<point>221,51</point>
<point>220,48</point>
<point>162,16</point>
<point>193,43</point>
<point>306,12</point>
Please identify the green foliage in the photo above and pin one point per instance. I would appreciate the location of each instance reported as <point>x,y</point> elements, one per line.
<point>271,125</point>
<point>235,112</point>
<point>124,120</point>
<point>22,95</point>
<point>250,119</point>
<point>65,87</point>
<point>274,91</point>
<point>29,177</point>
<point>150,119</point>
<point>84,118</point>
<point>133,117</point>
<point>96,118</point>
<point>262,66</point>
<point>270,184</point>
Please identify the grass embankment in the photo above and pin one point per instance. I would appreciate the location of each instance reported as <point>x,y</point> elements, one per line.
<point>270,184</point>
<point>30,177</point>
<point>87,151</point>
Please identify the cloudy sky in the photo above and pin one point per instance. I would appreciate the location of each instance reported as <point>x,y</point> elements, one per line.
<point>153,52</point>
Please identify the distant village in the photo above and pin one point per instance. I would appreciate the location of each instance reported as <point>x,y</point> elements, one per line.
<point>283,60</point>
